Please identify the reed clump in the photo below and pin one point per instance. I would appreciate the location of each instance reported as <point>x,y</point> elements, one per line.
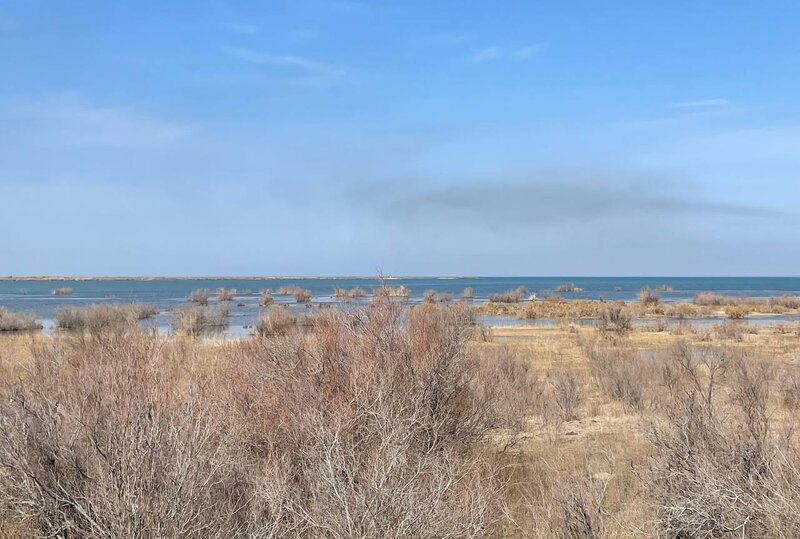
<point>13,321</point>
<point>63,291</point>
<point>512,296</point>
<point>432,296</point>
<point>647,297</point>
<point>99,317</point>
<point>568,287</point>
<point>300,295</point>
<point>226,294</point>
<point>277,321</point>
<point>344,294</point>
<point>265,298</point>
<point>199,297</point>
<point>195,320</point>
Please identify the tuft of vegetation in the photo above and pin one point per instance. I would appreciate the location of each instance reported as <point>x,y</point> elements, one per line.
<point>265,298</point>
<point>194,320</point>
<point>199,297</point>
<point>99,317</point>
<point>301,295</point>
<point>432,296</point>
<point>12,321</point>
<point>648,297</point>
<point>277,321</point>
<point>385,291</point>
<point>63,291</point>
<point>226,295</point>
<point>344,294</point>
<point>570,287</point>
<point>614,318</point>
<point>468,293</point>
<point>512,296</point>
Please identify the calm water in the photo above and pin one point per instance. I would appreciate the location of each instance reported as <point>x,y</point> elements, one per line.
<point>36,296</point>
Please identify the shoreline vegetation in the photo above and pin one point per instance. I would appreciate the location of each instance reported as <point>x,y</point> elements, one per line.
<point>392,416</point>
<point>64,278</point>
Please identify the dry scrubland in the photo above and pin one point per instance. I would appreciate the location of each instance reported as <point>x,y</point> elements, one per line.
<point>390,421</point>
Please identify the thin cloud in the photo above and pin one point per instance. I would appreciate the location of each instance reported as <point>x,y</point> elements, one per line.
<point>68,121</point>
<point>242,28</point>
<point>496,53</point>
<point>703,103</point>
<point>547,201</point>
<point>309,70</point>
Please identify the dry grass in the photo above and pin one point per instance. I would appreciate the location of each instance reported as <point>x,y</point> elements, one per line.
<point>432,296</point>
<point>300,295</point>
<point>570,287</point>
<point>647,297</point>
<point>12,321</point>
<point>277,321</point>
<point>195,320</point>
<point>98,317</point>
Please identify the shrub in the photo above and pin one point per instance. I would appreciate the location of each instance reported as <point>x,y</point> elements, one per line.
<point>11,321</point>
<point>567,395</point>
<point>512,296</point>
<point>621,373</point>
<point>787,301</point>
<point>63,291</point>
<point>647,297</point>
<point>614,318</point>
<point>468,293</point>
<point>196,319</point>
<point>200,297</point>
<point>365,425</point>
<point>345,294</point>
<point>568,288</point>
<point>225,295</point>
<point>301,295</point>
<point>277,321</point>
<point>682,311</point>
<point>736,312</point>
<point>99,317</point>
<point>432,296</point>
<point>265,298</point>
<point>711,299</point>
<point>385,291</point>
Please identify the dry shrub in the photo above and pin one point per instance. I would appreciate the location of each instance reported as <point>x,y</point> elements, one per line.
<point>98,443</point>
<point>682,311</point>
<point>721,468</point>
<point>614,318</point>
<point>348,294</point>
<point>11,321</point>
<point>468,293</point>
<point>199,296</point>
<point>647,297</point>
<point>622,374</point>
<point>277,321</point>
<point>737,312</point>
<point>432,296</point>
<point>226,294</point>
<point>63,291</point>
<point>566,395</point>
<point>101,317</point>
<point>365,425</point>
<point>787,301</point>
<point>386,291</point>
<point>711,299</point>
<point>568,288</point>
<point>512,296</point>
<point>265,298</point>
<point>196,319</point>
<point>301,295</point>
<point>733,330</point>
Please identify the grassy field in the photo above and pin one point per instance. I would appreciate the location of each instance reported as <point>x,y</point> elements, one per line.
<point>412,423</point>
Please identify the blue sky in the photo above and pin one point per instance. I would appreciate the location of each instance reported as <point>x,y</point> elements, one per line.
<point>338,137</point>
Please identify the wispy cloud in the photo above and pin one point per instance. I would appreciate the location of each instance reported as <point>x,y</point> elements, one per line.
<point>242,28</point>
<point>496,52</point>
<point>558,197</point>
<point>66,120</point>
<point>308,70</point>
<point>702,103</point>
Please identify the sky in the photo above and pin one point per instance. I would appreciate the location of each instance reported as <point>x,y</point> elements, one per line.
<point>336,137</point>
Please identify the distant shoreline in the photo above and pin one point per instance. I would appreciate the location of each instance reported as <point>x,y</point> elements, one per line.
<point>61,278</point>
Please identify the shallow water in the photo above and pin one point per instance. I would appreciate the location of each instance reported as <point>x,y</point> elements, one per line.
<point>36,297</point>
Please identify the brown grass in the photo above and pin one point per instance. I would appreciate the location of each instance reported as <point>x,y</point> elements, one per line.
<point>98,317</point>
<point>344,294</point>
<point>265,298</point>
<point>226,294</point>
<point>512,296</point>
<point>12,321</point>
<point>200,296</point>
<point>63,291</point>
